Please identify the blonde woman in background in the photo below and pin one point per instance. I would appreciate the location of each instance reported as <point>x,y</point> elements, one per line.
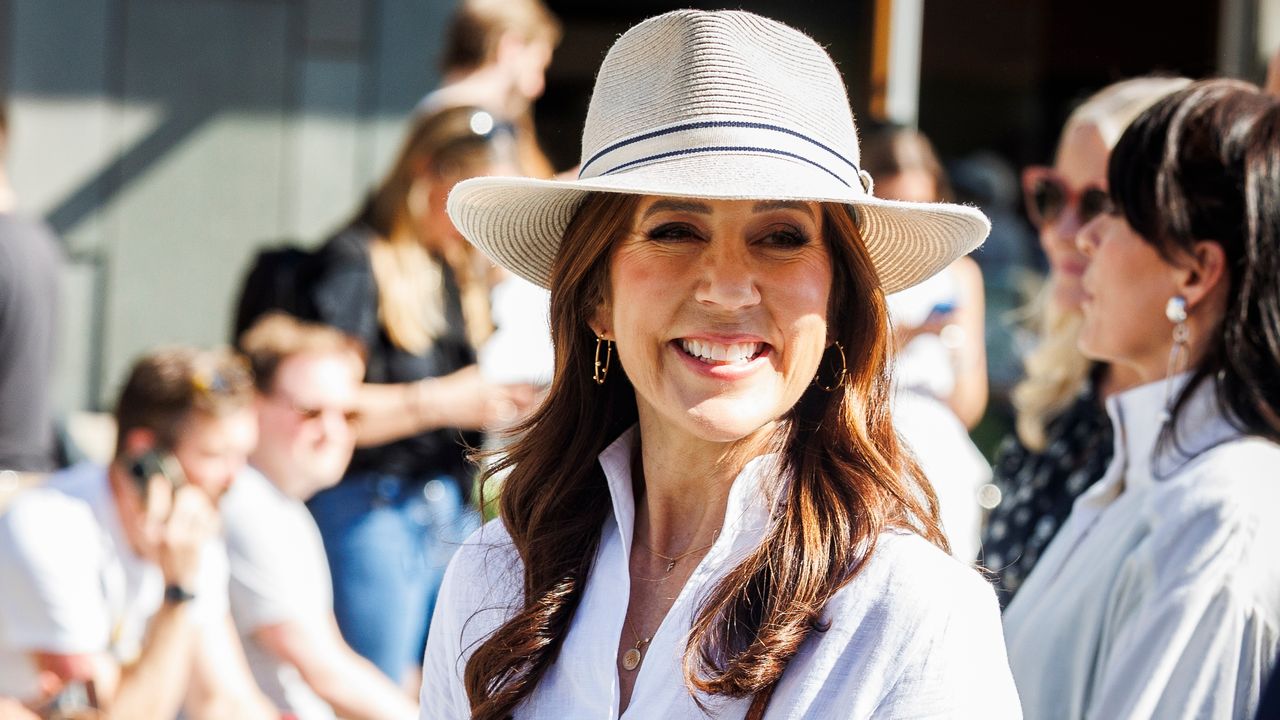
<point>941,363</point>
<point>401,280</point>
<point>1063,440</point>
<point>496,56</point>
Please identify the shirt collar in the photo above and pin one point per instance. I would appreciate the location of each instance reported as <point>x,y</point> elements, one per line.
<point>746,513</point>
<point>1138,416</point>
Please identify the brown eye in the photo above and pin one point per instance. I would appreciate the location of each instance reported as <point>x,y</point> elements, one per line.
<point>672,232</point>
<point>788,238</point>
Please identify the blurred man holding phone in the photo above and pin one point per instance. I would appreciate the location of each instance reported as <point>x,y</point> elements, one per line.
<point>115,579</point>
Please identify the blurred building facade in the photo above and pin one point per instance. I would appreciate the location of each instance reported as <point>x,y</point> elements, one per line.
<point>166,140</point>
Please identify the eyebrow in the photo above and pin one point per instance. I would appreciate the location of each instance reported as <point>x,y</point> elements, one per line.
<point>765,205</point>
<point>692,206</point>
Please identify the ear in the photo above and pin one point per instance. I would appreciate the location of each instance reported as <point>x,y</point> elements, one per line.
<point>601,320</point>
<point>510,47</point>
<point>1203,274</point>
<point>138,441</point>
<point>418,166</point>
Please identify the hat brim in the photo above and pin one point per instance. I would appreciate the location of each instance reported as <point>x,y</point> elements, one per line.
<point>519,222</point>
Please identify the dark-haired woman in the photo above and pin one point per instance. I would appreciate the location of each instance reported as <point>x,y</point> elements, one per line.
<point>711,511</point>
<point>1160,596</point>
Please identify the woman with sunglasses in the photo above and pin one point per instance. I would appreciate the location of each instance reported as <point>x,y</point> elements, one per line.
<point>1063,438</point>
<point>401,280</point>
<point>1160,597</point>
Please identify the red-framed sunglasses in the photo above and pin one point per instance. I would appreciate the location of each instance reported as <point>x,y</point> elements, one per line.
<point>1047,195</point>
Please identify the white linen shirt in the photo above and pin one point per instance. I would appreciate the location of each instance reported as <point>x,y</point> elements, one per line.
<point>916,634</point>
<point>1160,595</point>
<point>71,584</point>
<point>279,574</point>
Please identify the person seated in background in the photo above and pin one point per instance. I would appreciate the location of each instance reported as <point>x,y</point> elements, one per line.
<point>115,578</point>
<point>940,368</point>
<point>307,377</point>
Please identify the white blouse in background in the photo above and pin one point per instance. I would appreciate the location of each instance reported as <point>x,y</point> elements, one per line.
<point>916,634</point>
<point>1160,595</point>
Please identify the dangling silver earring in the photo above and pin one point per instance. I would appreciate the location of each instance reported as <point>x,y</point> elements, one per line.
<point>1176,311</point>
<point>602,369</point>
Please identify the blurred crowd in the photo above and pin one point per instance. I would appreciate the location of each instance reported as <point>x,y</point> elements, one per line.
<point>270,529</point>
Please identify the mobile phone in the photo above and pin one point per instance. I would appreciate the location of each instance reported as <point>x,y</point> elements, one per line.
<point>945,307</point>
<point>152,463</point>
<point>76,700</point>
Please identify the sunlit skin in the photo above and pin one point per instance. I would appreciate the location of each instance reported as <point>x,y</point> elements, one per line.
<point>213,449</point>
<point>719,273</point>
<point>1126,288</point>
<point>305,440</point>
<point>210,450</point>
<point>747,284</point>
<point>435,228</point>
<point>530,68</point>
<point>1082,164</point>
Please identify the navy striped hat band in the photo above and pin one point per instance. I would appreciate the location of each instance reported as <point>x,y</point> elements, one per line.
<point>724,136</point>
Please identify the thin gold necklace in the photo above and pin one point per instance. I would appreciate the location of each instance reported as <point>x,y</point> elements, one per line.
<point>673,559</point>
<point>632,658</point>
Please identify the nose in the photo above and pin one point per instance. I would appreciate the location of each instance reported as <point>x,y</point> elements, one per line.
<point>1065,229</point>
<point>333,425</point>
<point>728,278</point>
<point>1087,238</point>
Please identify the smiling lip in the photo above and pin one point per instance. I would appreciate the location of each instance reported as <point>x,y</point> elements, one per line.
<point>722,357</point>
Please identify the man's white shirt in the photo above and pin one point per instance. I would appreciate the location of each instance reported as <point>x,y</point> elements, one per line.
<point>71,584</point>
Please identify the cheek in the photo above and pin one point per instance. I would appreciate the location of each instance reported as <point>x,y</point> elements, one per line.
<point>642,289</point>
<point>803,292</point>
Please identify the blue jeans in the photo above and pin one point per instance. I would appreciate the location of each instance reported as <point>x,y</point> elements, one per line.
<point>388,540</point>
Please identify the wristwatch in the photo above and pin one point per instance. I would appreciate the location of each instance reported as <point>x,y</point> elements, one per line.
<point>176,594</point>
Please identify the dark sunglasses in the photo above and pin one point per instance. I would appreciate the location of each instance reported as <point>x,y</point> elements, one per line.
<point>1048,196</point>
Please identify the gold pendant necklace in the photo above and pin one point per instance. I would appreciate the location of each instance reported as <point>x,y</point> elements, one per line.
<point>631,658</point>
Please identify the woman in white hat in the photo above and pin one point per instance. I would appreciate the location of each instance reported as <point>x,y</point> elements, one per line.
<point>711,510</point>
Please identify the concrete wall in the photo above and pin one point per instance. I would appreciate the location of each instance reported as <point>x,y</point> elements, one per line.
<point>165,140</point>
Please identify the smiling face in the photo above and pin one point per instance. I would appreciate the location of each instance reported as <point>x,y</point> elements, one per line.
<point>719,311</point>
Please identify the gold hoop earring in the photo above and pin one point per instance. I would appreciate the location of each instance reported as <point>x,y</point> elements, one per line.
<point>602,370</point>
<point>844,370</point>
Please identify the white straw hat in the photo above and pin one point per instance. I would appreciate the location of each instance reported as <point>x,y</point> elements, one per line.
<point>726,105</point>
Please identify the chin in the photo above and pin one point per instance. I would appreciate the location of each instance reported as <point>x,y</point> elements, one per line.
<point>1088,345</point>
<point>728,421</point>
<point>1069,300</point>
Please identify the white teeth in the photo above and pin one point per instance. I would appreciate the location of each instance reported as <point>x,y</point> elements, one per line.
<point>715,352</point>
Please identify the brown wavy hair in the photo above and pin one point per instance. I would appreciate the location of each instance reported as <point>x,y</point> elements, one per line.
<point>849,480</point>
